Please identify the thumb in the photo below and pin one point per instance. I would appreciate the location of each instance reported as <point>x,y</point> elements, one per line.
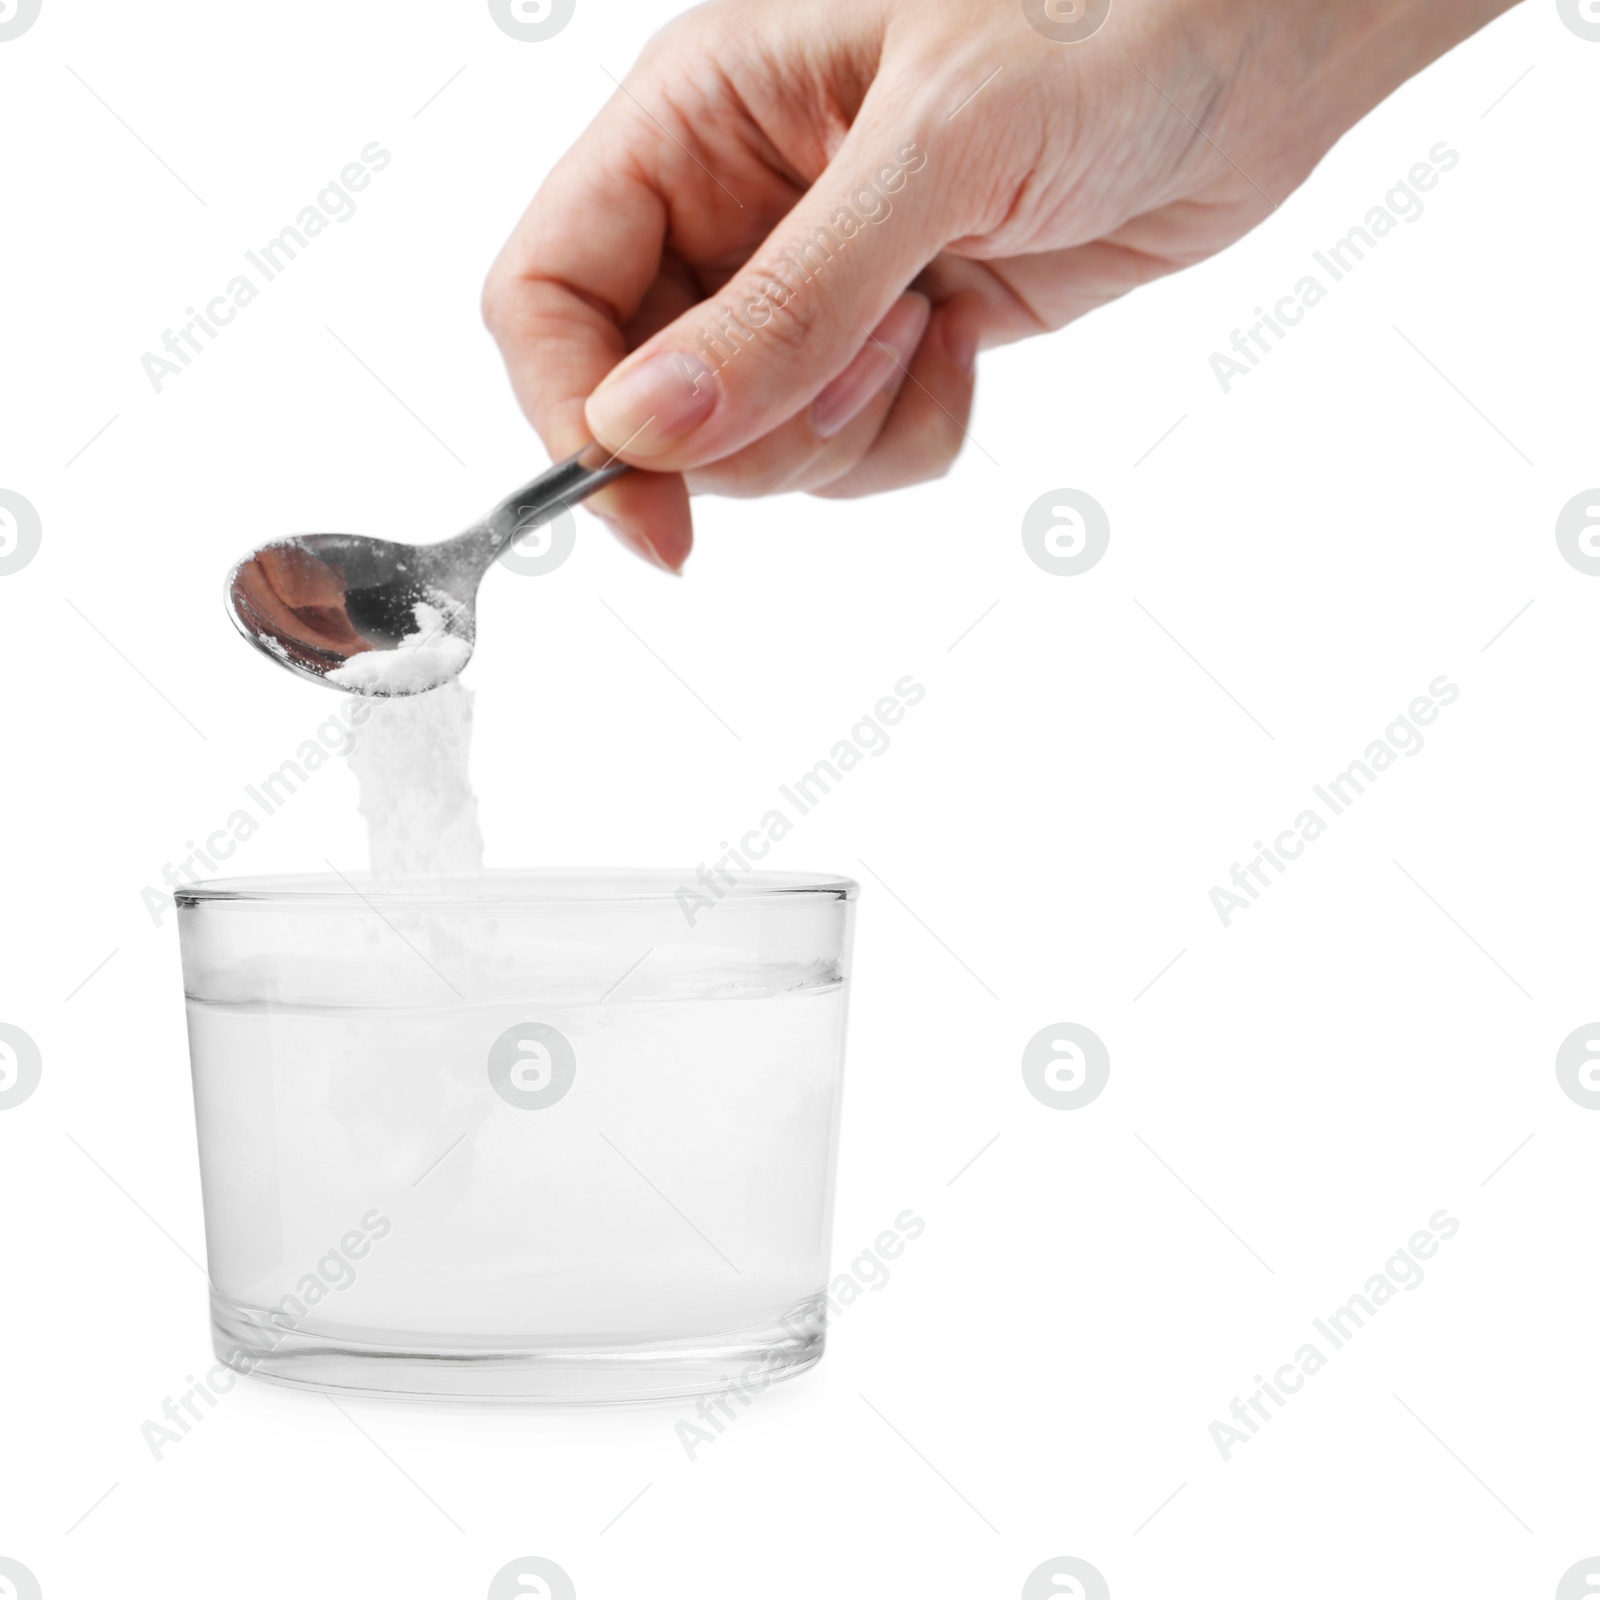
<point>736,367</point>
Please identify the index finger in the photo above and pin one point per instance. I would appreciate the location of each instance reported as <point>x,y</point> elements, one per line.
<point>575,270</point>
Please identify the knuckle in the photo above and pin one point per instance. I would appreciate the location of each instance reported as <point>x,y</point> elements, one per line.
<point>794,329</point>
<point>795,312</point>
<point>706,28</point>
<point>934,460</point>
<point>759,322</point>
<point>494,303</point>
<point>769,466</point>
<point>923,456</point>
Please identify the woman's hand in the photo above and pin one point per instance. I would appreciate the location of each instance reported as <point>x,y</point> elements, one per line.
<point>770,262</point>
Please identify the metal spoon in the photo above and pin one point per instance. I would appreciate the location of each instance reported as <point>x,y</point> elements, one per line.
<point>318,601</point>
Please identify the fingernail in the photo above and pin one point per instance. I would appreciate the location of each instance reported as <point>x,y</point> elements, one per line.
<point>640,545</point>
<point>879,363</point>
<point>654,406</point>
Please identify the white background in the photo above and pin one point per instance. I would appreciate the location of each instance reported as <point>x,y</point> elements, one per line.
<point>1290,1100</point>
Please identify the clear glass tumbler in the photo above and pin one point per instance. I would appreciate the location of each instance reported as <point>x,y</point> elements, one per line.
<point>545,1136</point>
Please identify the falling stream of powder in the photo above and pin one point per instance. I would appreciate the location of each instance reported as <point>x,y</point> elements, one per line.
<point>410,760</point>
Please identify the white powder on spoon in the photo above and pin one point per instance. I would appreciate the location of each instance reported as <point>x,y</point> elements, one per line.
<point>427,655</point>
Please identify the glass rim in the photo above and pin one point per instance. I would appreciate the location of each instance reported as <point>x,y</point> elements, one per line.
<point>513,886</point>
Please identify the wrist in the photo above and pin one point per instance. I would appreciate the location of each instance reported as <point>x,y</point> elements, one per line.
<point>1343,59</point>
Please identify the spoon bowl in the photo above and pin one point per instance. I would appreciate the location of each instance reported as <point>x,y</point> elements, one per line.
<point>371,616</point>
<point>318,602</point>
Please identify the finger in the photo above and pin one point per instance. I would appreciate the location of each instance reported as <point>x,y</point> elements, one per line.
<point>791,319</point>
<point>580,264</point>
<point>1027,295</point>
<point>877,365</point>
<point>827,440</point>
<point>926,428</point>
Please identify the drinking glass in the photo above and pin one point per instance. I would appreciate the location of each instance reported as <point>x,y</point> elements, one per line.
<point>547,1136</point>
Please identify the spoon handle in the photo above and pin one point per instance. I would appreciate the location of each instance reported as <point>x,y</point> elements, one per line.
<point>564,485</point>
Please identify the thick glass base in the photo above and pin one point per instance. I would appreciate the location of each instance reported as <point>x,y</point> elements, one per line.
<point>748,1359</point>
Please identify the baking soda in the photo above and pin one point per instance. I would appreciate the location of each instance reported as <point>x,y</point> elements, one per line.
<point>428,654</point>
<point>410,760</point>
